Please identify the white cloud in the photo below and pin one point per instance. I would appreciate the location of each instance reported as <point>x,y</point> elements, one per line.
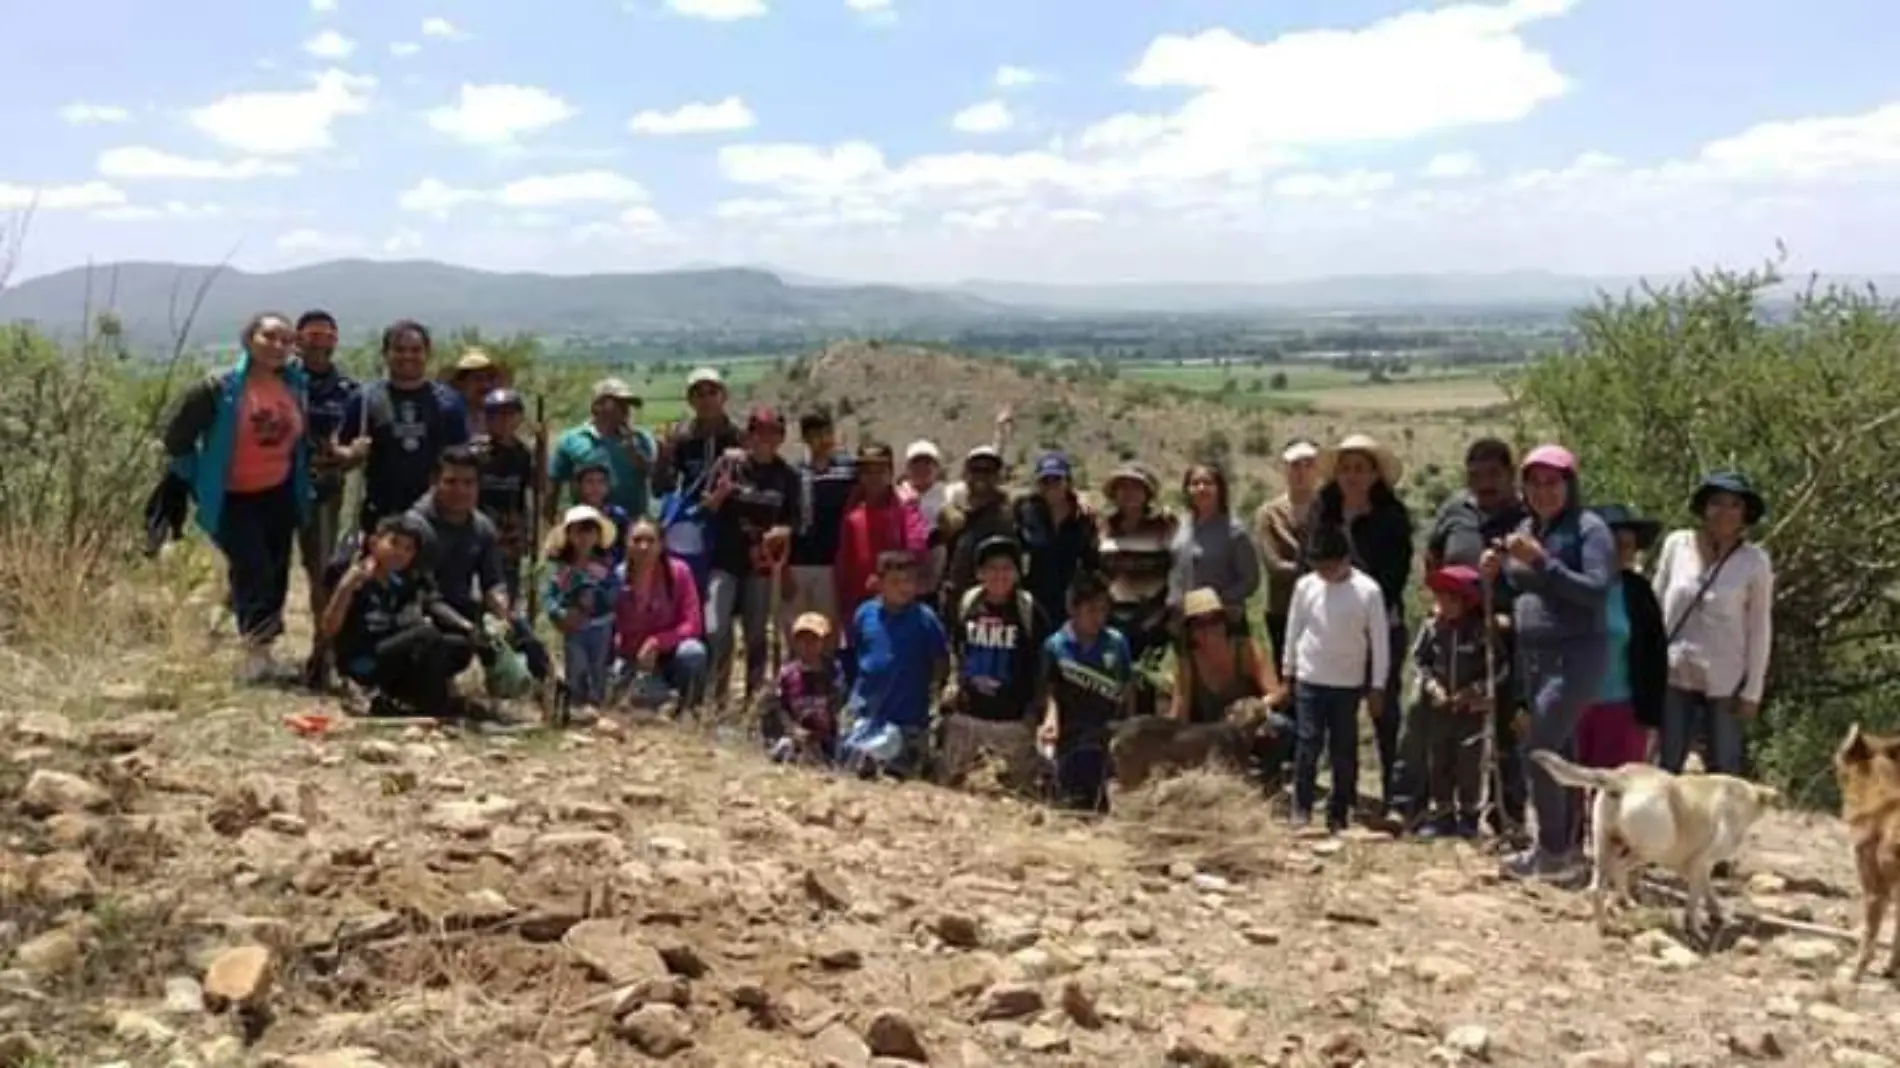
<point>323,7</point>
<point>868,6</point>
<point>60,197</point>
<point>286,122</point>
<point>1010,77</point>
<point>990,116</point>
<point>718,117</point>
<point>437,26</point>
<point>141,162</point>
<point>1807,148</point>
<point>403,49</point>
<point>1077,215</point>
<point>579,187</point>
<point>329,45</point>
<point>718,10</point>
<point>321,242</point>
<point>402,242</point>
<point>497,114</point>
<point>1448,165</point>
<point>1254,111</point>
<point>80,113</point>
<point>171,209</point>
<point>1345,184</point>
<point>750,208</point>
<point>432,196</point>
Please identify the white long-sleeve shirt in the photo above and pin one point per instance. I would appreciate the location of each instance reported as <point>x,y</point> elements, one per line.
<point>1336,632</point>
<point>1721,647</point>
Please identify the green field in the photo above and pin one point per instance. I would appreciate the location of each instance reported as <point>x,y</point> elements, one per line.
<point>1320,385</point>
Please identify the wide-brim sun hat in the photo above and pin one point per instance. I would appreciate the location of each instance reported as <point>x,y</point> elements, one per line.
<point>579,515</point>
<point>1754,507</point>
<point>1202,603</point>
<point>1135,473</point>
<point>1391,468</point>
<point>1621,517</point>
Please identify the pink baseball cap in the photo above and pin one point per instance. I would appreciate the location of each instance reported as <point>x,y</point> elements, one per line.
<point>1552,456</point>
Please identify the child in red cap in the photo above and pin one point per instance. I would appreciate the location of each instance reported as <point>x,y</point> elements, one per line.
<point>1453,700</point>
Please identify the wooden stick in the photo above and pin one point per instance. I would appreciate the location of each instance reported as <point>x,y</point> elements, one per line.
<point>1757,918</point>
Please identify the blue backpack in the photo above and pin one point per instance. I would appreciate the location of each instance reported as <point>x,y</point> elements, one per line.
<point>686,526</point>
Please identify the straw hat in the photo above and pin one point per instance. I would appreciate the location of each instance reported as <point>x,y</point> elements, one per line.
<point>1135,473</point>
<point>1201,603</point>
<point>472,361</point>
<point>812,623</point>
<point>1391,468</point>
<point>556,544</point>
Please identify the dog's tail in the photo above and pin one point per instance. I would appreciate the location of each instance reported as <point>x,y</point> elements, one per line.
<point>1569,774</point>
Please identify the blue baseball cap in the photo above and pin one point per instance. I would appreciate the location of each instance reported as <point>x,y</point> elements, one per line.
<point>1053,465</point>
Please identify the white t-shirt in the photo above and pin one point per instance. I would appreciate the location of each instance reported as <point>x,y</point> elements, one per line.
<point>1721,645</point>
<point>1336,632</point>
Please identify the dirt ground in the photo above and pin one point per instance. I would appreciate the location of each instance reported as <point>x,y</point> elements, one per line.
<point>188,882</point>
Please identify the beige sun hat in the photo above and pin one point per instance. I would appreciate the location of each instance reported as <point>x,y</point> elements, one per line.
<point>556,543</point>
<point>474,361</point>
<point>1391,468</point>
<point>1201,603</point>
<point>1132,472</point>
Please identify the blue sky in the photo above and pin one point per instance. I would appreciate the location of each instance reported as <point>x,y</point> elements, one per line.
<point>930,140</point>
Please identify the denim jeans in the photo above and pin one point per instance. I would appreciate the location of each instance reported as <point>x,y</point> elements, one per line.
<point>588,653</point>
<point>1686,714</point>
<point>256,533</point>
<point>1326,717</point>
<point>1081,774</point>
<point>1559,683</point>
<point>748,596</point>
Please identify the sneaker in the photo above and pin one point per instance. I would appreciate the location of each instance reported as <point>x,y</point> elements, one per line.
<point>1534,863</point>
<point>1442,826</point>
<point>257,668</point>
<point>1466,826</point>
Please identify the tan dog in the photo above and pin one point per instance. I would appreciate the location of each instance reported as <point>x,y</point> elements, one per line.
<point>1644,815</point>
<point>1149,745</point>
<point>1867,766</point>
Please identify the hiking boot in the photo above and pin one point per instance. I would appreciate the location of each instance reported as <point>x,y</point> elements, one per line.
<point>1440,826</point>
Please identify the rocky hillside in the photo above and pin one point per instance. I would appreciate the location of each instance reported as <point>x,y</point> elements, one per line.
<point>897,393</point>
<point>186,882</point>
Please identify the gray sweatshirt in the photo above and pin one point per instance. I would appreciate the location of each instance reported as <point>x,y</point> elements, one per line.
<point>1563,598</point>
<point>1219,553</point>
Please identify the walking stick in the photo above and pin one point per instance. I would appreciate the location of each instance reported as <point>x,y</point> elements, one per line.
<point>1491,804</point>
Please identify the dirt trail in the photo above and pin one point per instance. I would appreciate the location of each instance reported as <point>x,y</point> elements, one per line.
<point>638,895</point>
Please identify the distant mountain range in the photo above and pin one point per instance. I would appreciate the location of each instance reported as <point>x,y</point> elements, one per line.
<point>737,300</point>
<point>150,297</point>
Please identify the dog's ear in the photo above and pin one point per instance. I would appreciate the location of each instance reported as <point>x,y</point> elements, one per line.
<point>1854,749</point>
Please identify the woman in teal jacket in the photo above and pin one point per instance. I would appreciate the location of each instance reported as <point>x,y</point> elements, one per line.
<point>238,439</point>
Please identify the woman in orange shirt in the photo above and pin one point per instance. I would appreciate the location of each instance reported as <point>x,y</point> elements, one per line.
<point>238,438</point>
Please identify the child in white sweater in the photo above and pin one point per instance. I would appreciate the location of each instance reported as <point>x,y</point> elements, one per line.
<point>1336,644</point>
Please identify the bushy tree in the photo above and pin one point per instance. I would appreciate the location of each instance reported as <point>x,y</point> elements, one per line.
<point>1802,397</point>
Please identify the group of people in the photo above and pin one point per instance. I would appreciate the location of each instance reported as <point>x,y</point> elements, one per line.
<point>924,619</point>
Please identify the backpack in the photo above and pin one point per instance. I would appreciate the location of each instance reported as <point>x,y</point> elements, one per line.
<point>1025,607</point>
<point>686,527</point>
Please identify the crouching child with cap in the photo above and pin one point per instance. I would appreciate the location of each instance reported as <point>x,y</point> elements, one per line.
<point>802,708</point>
<point>380,622</point>
<point>1458,679</point>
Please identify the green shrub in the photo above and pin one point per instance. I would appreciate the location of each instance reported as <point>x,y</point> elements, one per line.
<point>1667,385</point>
